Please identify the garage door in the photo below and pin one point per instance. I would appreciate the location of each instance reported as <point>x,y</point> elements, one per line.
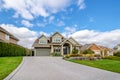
<point>42,52</point>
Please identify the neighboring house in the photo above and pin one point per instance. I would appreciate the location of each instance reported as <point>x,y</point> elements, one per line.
<point>100,50</point>
<point>117,48</point>
<point>43,46</point>
<point>105,51</point>
<point>7,37</point>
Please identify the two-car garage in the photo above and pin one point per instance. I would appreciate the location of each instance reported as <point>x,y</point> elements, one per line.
<point>42,52</point>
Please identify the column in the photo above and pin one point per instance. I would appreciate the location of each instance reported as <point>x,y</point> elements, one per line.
<point>34,52</point>
<point>62,50</point>
<point>70,48</point>
<point>51,48</point>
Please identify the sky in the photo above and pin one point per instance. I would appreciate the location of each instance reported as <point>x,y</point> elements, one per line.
<point>87,21</point>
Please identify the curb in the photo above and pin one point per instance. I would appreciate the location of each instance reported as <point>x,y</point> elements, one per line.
<point>9,77</point>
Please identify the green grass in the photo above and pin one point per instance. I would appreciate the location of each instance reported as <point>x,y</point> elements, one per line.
<point>7,65</point>
<point>110,65</point>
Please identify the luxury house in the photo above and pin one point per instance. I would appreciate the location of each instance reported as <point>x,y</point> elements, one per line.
<point>43,46</point>
<point>117,48</point>
<point>7,37</point>
<point>100,50</point>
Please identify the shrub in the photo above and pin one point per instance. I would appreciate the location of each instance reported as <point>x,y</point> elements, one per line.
<point>56,54</point>
<point>117,54</point>
<point>112,58</point>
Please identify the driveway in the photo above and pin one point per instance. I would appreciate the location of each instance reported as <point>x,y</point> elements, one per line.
<point>55,68</point>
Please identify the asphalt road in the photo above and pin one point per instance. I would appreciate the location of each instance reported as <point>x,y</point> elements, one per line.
<point>55,68</point>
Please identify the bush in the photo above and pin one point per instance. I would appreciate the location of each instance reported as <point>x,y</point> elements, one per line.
<point>113,58</point>
<point>74,51</point>
<point>88,51</point>
<point>67,56</point>
<point>117,54</point>
<point>56,54</point>
<point>9,49</point>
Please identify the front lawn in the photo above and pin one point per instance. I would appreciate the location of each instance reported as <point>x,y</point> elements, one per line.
<point>7,65</point>
<point>110,65</point>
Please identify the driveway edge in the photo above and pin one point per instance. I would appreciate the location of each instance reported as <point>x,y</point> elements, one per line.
<point>15,71</point>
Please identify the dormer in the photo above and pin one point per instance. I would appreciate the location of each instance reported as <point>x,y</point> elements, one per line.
<point>43,39</point>
<point>57,38</point>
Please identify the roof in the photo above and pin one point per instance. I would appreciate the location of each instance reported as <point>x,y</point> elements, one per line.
<point>43,36</point>
<point>74,40</point>
<point>65,40</point>
<point>104,48</point>
<point>6,32</point>
<point>36,43</point>
<point>57,33</point>
<point>86,46</point>
<point>116,47</point>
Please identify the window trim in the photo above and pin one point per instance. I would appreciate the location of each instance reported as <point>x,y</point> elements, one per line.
<point>42,41</point>
<point>56,39</point>
<point>7,37</point>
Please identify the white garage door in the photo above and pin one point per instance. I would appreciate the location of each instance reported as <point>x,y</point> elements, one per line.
<point>43,52</point>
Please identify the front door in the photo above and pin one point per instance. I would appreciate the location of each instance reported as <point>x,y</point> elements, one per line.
<point>65,50</point>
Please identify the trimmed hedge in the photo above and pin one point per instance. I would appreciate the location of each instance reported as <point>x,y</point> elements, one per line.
<point>117,54</point>
<point>9,49</point>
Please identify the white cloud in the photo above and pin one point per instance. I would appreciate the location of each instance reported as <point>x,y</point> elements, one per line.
<point>68,31</point>
<point>51,18</point>
<point>26,23</point>
<point>108,38</point>
<point>44,33</point>
<point>60,23</point>
<point>41,24</point>
<point>81,4</point>
<point>29,9</point>
<point>25,35</point>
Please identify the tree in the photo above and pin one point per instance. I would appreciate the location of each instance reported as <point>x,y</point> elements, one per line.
<point>75,51</point>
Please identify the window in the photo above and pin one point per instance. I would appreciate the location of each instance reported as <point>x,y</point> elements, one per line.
<point>56,49</point>
<point>57,39</point>
<point>7,37</point>
<point>42,41</point>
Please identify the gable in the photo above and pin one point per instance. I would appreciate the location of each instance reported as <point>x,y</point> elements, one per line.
<point>57,35</point>
<point>57,38</point>
<point>43,40</point>
<point>73,41</point>
<point>94,47</point>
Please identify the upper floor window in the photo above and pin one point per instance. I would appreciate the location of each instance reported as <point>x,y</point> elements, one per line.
<point>7,37</point>
<point>42,41</point>
<point>56,39</point>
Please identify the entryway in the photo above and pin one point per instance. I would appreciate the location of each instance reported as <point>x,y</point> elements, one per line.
<point>66,48</point>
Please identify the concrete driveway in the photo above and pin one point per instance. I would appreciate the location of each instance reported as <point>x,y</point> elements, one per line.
<point>55,68</point>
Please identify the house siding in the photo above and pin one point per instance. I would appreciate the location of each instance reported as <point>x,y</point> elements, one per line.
<point>55,46</point>
<point>13,41</point>
<point>2,37</point>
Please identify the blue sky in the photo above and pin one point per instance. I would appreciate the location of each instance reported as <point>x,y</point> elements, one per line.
<point>69,17</point>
